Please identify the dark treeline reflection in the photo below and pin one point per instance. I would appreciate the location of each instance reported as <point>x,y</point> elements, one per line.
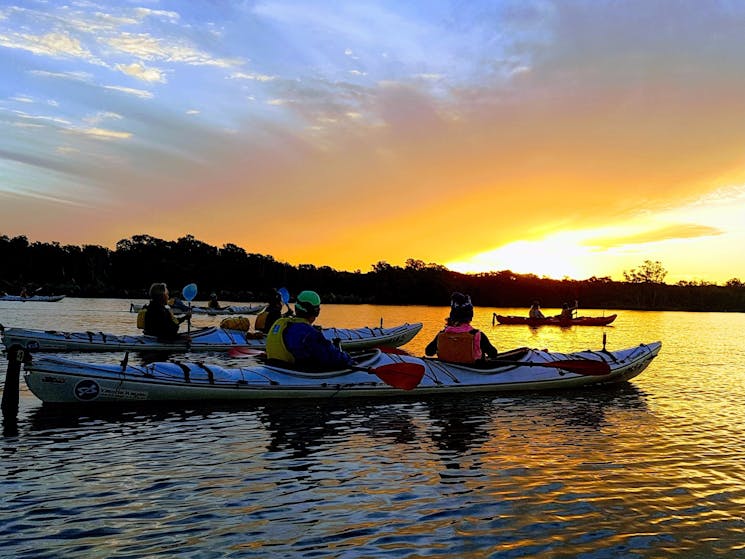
<point>129,269</point>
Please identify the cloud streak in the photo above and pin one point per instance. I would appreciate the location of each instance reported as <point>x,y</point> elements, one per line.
<point>672,232</point>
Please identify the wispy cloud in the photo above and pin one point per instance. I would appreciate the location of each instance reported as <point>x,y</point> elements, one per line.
<point>669,233</point>
<point>57,44</point>
<point>142,72</point>
<point>130,91</point>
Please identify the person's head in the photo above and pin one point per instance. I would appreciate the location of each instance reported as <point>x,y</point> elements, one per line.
<point>213,295</point>
<point>308,305</point>
<point>275,300</point>
<point>461,308</point>
<point>564,306</point>
<point>159,292</point>
<point>536,304</point>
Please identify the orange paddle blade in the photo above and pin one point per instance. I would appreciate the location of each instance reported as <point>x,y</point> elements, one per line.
<point>405,376</point>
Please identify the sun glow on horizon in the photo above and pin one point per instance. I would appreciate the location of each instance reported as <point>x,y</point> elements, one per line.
<point>557,256</point>
<point>674,237</point>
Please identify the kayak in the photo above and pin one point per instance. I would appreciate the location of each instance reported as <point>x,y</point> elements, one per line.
<point>63,381</point>
<point>203,339</point>
<point>33,298</point>
<point>232,309</point>
<point>555,320</point>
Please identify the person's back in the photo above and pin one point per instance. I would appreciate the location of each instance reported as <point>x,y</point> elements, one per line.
<point>213,303</point>
<point>160,322</point>
<point>294,340</point>
<point>459,342</point>
<point>535,311</point>
<point>567,312</point>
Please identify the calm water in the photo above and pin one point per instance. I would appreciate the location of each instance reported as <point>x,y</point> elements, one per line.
<point>654,468</point>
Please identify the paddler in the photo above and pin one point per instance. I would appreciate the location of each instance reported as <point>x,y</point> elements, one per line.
<point>296,341</point>
<point>159,320</point>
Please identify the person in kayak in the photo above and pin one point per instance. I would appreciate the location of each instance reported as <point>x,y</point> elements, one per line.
<point>177,304</point>
<point>296,341</point>
<point>535,311</point>
<point>213,303</point>
<point>159,320</point>
<point>266,318</point>
<point>459,342</point>
<point>567,312</point>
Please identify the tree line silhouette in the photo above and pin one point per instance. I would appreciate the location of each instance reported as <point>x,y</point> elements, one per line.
<point>237,275</point>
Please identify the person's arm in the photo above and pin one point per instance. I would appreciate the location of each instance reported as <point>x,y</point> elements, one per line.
<point>431,348</point>
<point>314,350</point>
<point>487,348</point>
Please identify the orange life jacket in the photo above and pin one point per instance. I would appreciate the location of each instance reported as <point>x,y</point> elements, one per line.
<point>458,347</point>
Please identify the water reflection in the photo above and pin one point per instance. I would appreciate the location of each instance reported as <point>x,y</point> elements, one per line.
<point>299,427</point>
<point>460,423</point>
<point>590,407</point>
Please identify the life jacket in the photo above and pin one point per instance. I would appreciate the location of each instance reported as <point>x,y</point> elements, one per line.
<point>141,318</point>
<point>236,323</point>
<point>260,321</point>
<point>459,344</point>
<point>275,340</point>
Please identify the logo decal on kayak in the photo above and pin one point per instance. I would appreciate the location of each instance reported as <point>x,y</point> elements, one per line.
<point>87,390</point>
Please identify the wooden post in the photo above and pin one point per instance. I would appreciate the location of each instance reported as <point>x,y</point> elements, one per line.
<point>16,356</point>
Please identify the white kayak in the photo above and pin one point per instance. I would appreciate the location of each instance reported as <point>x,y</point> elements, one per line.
<point>56,380</point>
<point>232,309</point>
<point>33,298</point>
<point>203,339</point>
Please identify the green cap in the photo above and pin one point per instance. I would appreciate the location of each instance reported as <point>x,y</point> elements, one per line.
<point>308,302</point>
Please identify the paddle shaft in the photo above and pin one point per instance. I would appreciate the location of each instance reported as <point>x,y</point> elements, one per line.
<point>16,356</point>
<point>579,366</point>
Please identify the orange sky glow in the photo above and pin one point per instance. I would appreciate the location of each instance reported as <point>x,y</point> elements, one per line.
<point>534,137</point>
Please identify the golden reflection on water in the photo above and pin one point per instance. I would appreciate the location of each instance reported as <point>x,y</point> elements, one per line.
<point>652,468</point>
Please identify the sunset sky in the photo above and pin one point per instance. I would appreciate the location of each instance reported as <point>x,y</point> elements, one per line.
<point>567,138</point>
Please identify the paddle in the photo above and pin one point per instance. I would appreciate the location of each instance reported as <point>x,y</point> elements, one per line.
<point>245,352</point>
<point>578,366</point>
<point>285,296</point>
<point>188,293</point>
<point>405,376</point>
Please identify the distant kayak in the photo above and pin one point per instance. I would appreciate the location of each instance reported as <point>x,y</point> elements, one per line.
<point>555,321</point>
<point>33,298</point>
<point>232,309</point>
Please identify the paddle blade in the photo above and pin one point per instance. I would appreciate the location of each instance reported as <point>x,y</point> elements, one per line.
<point>405,376</point>
<point>284,295</point>
<point>582,366</point>
<point>244,352</point>
<point>189,291</point>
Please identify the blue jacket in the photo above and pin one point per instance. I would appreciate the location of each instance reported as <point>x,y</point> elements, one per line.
<point>311,350</point>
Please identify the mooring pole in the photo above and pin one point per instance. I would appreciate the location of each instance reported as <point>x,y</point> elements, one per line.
<point>16,355</point>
